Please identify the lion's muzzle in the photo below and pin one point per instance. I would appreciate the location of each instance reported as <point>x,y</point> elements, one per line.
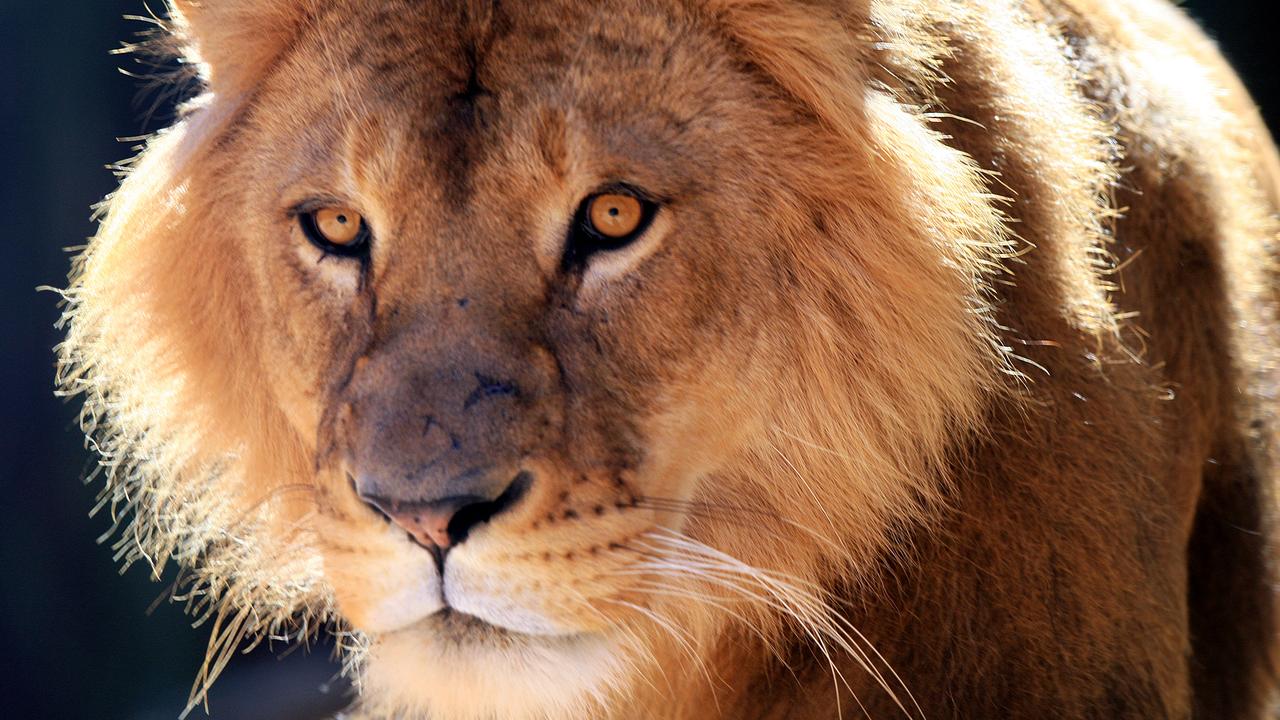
<point>436,433</point>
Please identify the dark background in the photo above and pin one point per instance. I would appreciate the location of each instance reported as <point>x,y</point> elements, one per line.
<point>75,638</point>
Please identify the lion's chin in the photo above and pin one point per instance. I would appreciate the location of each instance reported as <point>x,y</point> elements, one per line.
<point>452,666</point>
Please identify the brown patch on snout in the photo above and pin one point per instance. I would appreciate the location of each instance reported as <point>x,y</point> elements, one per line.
<point>437,427</point>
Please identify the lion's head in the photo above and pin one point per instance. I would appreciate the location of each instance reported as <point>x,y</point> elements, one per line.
<point>552,348</point>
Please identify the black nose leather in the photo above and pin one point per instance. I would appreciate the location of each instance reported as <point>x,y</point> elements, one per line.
<point>442,523</point>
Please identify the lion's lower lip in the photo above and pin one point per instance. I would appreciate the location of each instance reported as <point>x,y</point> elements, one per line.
<point>450,620</point>
<point>459,626</point>
<point>456,626</point>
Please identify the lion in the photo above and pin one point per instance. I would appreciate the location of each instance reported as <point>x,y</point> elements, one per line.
<point>703,358</point>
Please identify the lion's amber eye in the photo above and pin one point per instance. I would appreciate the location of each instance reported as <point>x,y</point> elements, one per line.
<point>340,226</point>
<point>608,220</point>
<point>338,230</point>
<point>615,216</point>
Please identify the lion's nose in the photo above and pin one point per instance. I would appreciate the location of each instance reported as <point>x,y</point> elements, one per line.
<point>442,523</point>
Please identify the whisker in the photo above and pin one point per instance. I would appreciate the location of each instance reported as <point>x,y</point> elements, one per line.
<point>704,510</point>
<point>706,505</point>
<point>817,639</point>
<point>785,598</point>
<point>665,590</point>
<point>673,554</point>
<point>680,636</point>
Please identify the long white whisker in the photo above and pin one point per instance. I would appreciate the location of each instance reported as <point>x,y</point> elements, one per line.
<point>679,635</point>
<point>652,587</point>
<point>729,583</point>
<point>812,615</point>
<point>633,641</point>
<point>801,600</point>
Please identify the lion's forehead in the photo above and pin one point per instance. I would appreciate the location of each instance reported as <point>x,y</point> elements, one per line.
<point>426,96</point>
<point>413,50</point>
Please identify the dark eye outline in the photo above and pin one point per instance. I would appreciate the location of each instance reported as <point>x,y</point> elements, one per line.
<point>585,240</point>
<point>358,248</point>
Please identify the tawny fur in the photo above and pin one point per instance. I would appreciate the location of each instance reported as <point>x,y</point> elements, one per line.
<point>942,385</point>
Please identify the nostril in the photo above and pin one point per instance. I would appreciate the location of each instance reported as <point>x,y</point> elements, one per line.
<point>445,522</point>
<point>477,513</point>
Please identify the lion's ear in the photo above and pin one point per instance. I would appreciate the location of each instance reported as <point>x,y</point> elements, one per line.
<point>807,47</point>
<point>234,41</point>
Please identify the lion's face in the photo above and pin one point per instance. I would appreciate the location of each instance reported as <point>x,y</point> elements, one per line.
<point>483,343</point>
<point>578,319</point>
